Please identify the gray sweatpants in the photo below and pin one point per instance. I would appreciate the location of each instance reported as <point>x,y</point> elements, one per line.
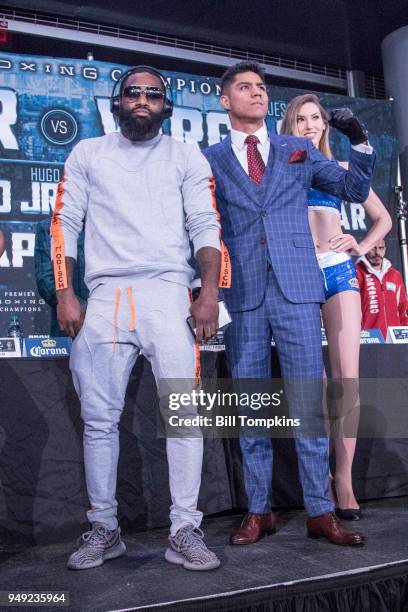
<point>102,357</point>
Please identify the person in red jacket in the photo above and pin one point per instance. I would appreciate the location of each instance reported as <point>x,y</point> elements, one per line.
<point>383,295</point>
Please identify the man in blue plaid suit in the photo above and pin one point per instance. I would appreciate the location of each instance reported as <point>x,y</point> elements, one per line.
<point>277,286</point>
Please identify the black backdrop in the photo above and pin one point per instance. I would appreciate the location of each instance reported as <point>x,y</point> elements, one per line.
<point>42,489</point>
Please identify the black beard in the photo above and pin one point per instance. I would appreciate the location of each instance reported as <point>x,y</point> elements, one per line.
<point>139,128</point>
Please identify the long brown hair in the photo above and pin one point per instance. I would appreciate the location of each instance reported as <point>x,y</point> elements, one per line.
<point>289,123</point>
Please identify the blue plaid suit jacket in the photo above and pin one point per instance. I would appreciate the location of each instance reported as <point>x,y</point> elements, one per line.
<point>270,221</point>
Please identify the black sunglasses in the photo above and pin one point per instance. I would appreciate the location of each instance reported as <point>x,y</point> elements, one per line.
<point>151,93</point>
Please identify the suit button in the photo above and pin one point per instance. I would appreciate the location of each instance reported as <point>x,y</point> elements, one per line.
<point>262,240</point>
<point>264,213</point>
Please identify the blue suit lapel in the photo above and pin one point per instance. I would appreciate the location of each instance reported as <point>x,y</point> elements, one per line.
<point>230,165</point>
<point>277,163</point>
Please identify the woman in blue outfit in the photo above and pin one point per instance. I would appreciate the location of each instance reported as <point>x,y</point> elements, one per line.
<point>342,311</point>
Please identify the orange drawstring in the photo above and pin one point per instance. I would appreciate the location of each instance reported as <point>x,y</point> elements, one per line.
<point>132,309</point>
<point>115,316</point>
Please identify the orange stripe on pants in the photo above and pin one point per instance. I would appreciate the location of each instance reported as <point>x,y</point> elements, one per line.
<point>225,272</point>
<point>58,255</point>
<point>197,375</point>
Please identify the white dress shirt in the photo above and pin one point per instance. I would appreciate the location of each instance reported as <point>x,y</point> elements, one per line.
<point>240,148</point>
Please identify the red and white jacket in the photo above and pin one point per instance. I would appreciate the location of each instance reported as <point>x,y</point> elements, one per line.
<point>384,300</point>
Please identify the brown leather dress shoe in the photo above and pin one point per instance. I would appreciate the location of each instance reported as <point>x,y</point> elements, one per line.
<point>328,526</point>
<point>253,527</point>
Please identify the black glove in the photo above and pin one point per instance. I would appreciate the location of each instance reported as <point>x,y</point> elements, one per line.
<point>343,120</point>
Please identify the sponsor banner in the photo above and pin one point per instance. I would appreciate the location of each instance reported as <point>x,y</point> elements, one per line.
<point>367,336</point>
<point>371,336</point>
<point>48,104</point>
<point>48,347</point>
<point>397,334</point>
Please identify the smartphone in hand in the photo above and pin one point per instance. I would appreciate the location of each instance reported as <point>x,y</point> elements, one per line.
<point>224,318</point>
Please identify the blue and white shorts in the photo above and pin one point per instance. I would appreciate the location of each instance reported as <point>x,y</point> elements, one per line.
<point>339,273</point>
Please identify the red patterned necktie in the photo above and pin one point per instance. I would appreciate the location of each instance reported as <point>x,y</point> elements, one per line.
<point>256,166</point>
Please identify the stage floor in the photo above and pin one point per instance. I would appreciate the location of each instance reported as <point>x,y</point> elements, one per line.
<point>285,565</point>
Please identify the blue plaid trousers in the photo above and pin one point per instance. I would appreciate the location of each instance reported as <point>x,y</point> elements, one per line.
<point>296,331</point>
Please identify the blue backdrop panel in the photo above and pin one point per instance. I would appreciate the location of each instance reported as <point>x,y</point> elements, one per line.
<point>48,104</point>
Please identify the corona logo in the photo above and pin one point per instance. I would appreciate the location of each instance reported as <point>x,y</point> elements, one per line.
<point>48,343</point>
<point>365,334</point>
<point>37,351</point>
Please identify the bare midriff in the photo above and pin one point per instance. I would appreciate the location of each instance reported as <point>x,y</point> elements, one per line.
<point>323,225</point>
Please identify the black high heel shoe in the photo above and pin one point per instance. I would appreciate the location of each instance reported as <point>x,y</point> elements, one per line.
<point>349,514</point>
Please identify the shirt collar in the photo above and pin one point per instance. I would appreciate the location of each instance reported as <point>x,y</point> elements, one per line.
<point>238,138</point>
<point>140,143</point>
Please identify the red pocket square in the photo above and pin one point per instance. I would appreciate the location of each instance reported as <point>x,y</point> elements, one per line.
<point>298,156</point>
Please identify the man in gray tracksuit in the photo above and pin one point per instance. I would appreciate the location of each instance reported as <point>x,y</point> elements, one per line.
<point>143,197</point>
